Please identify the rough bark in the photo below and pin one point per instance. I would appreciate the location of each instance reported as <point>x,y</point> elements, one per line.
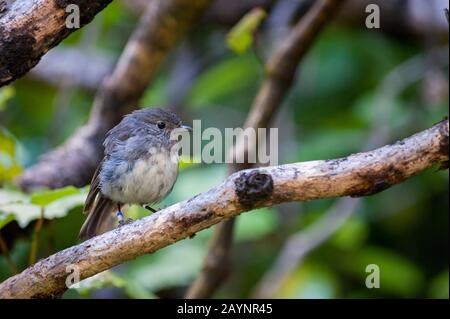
<point>29,28</point>
<point>360,174</point>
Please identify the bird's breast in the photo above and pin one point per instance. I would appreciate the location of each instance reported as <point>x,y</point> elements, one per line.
<point>147,180</point>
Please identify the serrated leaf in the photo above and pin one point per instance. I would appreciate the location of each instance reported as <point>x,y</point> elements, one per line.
<point>240,38</point>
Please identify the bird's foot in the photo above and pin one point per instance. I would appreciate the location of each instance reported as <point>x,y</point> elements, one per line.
<point>121,220</point>
<point>125,222</point>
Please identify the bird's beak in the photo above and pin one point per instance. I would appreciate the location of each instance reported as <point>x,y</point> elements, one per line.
<point>186,127</point>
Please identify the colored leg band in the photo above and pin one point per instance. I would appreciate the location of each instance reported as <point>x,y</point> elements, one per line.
<point>119,215</point>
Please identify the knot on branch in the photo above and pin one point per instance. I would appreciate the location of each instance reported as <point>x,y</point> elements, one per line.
<point>253,187</point>
<point>444,144</point>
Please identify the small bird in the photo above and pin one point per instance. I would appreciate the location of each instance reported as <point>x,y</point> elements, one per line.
<point>139,167</point>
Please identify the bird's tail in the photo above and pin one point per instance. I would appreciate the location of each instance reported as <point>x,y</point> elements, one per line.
<point>98,214</point>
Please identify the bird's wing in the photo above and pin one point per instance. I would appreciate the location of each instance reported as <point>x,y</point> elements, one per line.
<point>98,208</point>
<point>97,218</point>
<point>94,190</point>
<point>115,136</point>
<point>127,128</point>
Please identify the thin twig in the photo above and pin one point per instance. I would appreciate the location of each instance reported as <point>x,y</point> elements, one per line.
<point>281,70</point>
<point>35,238</point>
<point>5,251</point>
<point>51,237</point>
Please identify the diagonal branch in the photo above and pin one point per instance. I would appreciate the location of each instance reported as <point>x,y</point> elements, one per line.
<point>281,70</point>
<point>57,67</point>
<point>29,28</point>
<point>160,27</point>
<point>360,174</point>
<point>303,242</point>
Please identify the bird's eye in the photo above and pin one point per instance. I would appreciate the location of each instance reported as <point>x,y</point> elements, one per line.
<point>161,125</point>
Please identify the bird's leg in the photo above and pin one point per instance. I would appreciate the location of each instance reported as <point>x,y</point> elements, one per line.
<point>119,214</point>
<point>150,209</point>
<point>120,217</point>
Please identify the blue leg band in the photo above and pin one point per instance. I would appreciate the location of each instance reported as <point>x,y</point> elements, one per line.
<point>119,215</point>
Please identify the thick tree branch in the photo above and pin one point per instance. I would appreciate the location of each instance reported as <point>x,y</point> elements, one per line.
<point>29,28</point>
<point>360,174</point>
<point>159,29</point>
<point>281,70</point>
<point>57,67</point>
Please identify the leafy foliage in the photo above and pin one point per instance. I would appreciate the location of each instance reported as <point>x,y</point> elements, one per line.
<point>25,208</point>
<point>329,112</point>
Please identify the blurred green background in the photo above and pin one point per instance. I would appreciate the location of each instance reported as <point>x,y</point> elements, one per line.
<point>353,83</point>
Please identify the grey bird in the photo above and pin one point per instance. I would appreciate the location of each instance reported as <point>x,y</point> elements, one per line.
<point>139,167</point>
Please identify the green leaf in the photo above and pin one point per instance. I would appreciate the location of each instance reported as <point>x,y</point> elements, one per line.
<point>60,207</point>
<point>24,212</point>
<point>5,219</point>
<point>46,197</point>
<point>6,93</point>
<point>56,203</point>
<point>240,38</point>
<point>9,159</point>
<point>8,197</point>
